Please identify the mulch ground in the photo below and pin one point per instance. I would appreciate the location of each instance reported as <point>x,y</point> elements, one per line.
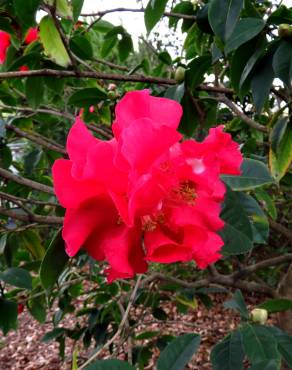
<point>23,349</point>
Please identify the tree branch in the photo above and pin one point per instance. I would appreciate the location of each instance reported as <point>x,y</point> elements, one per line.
<point>26,200</point>
<point>139,10</point>
<point>234,108</point>
<point>281,229</point>
<point>54,220</point>
<point>26,182</point>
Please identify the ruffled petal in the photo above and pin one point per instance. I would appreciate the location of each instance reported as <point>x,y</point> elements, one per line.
<point>69,191</point>
<point>139,104</point>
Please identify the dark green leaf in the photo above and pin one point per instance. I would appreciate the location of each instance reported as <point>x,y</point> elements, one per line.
<point>228,354</point>
<point>237,232</point>
<point>284,342</point>
<point>277,305</point>
<point>257,217</point>
<point>26,11</point>
<point>223,16</point>
<point>253,174</point>
<point>153,12</point>
<point>203,19</point>
<point>34,91</point>
<point>77,7</point>
<point>178,352</point>
<point>282,62</point>
<point>147,335</point>
<point>54,262</point>
<point>18,277</point>
<point>245,30</point>
<point>87,97</point>
<point>281,15</point>
<point>190,119</point>
<point>165,57</point>
<point>37,309</point>
<point>175,92</point>
<point>266,365</point>
<point>261,82</point>
<point>125,46</point>
<point>53,334</point>
<point>81,47</point>
<point>109,365</point>
<point>108,45</point>
<point>237,303</point>
<point>3,240</point>
<point>159,313</point>
<point>5,156</point>
<point>259,344</point>
<point>278,133</point>
<point>8,315</point>
<point>196,70</point>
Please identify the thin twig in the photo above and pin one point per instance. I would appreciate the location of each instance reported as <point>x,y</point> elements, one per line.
<point>27,200</point>
<point>54,220</point>
<point>121,326</point>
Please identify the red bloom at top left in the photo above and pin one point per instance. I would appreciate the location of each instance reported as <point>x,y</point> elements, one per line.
<point>4,45</point>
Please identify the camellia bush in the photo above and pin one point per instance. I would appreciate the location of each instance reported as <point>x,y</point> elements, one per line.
<point>134,176</point>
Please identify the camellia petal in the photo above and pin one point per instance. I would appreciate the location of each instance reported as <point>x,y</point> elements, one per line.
<point>4,45</point>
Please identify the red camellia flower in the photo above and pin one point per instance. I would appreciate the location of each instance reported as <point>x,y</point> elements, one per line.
<point>23,68</point>
<point>32,35</point>
<point>4,45</point>
<point>144,196</point>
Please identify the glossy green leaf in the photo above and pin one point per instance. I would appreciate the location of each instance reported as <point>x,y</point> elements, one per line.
<point>281,15</point>
<point>153,12</point>
<point>54,262</point>
<point>108,45</point>
<point>178,352</point>
<point>8,315</point>
<point>175,92</point>
<point>228,354</point>
<point>87,97</point>
<point>282,62</point>
<point>266,365</point>
<point>81,47</point>
<point>259,344</point>
<point>223,16</point>
<point>109,365</point>
<point>245,30</point>
<point>237,232</point>
<point>52,42</point>
<point>64,9</point>
<point>267,202</point>
<point>257,217</point>
<point>277,305</point>
<point>77,7</point>
<point>196,70</point>
<point>18,277</point>
<point>26,11</point>
<point>261,82</point>
<point>284,342</point>
<point>30,240</point>
<point>125,47</point>
<point>237,303</point>
<point>253,174</point>
<point>3,240</point>
<point>37,308</point>
<point>34,91</point>
<point>281,159</point>
<point>5,156</point>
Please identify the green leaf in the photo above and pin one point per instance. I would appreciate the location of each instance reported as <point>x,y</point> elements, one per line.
<point>261,82</point>
<point>223,16</point>
<point>284,342</point>
<point>281,15</point>
<point>281,159</point>
<point>237,231</point>
<point>26,11</point>
<point>64,9</point>
<point>196,70</point>
<point>18,277</point>
<point>175,92</point>
<point>178,352</point>
<point>109,365</point>
<point>81,47</point>
<point>125,47</point>
<point>228,354</point>
<point>277,305</point>
<point>245,30</point>
<point>87,97</point>
<point>282,62</point>
<point>54,262</point>
<point>37,309</point>
<point>266,365</point>
<point>153,12</point>
<point>5,156</point>
<point>147,335</point>
<point>257,217</point>
<point>190,119</point>
<point>259,344</point>
<point>8,315</point>
<point>52,42</point>
<point>237,303</point>
<point>53,334</point>
<point>34,91</point>
<point>108,45</point>
<point>31,241</point>
<point>253,174</point>
<point>77,7</point>
<point>268,203</point>
<point>3,240</point>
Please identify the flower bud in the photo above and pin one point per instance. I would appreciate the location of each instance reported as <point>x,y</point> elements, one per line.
<point>285,31</point>
<point>259,315</point>
<point>180,74</point>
